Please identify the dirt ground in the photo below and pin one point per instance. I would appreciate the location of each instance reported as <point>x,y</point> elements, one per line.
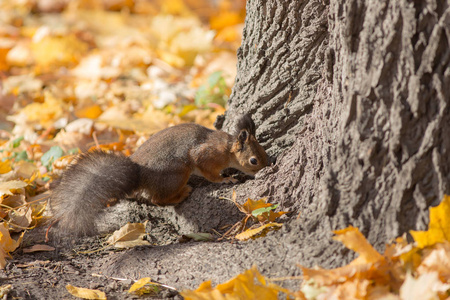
<point>44,275</point>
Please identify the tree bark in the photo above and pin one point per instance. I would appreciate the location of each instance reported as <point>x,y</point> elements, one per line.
<point>363,97</point>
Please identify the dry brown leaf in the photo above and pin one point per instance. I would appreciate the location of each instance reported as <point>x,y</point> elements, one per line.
<point>20,219</point>
<point>25,169</point>
<point>7,244</point>
<point>38,248</point>
<point>8,187</point>
<point>130,235</point>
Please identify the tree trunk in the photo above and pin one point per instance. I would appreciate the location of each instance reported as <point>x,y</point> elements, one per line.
<point>353,98</point>
<point>363,97</point>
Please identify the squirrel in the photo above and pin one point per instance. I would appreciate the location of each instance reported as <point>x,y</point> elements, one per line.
<point>160,168</point>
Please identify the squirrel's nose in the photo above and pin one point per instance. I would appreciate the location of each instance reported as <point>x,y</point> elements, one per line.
<point>271,160</point>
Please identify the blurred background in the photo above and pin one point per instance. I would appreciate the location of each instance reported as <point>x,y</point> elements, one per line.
<point>82,73</point>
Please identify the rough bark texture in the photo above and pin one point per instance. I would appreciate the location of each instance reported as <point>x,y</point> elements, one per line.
<point>353,98</point>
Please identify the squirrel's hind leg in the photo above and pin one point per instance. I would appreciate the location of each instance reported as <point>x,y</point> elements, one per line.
<point>173,199</point>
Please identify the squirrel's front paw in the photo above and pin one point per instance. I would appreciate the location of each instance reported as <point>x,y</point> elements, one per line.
<point>227,180</point>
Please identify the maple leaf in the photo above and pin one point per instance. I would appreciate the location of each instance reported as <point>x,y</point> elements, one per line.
<point>438,228</point>
<point>370,264</point>
<point>248,285</point>
<point>353,239</point>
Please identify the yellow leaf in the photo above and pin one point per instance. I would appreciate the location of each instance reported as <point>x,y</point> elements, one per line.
<point>271,216</point>
<point>44,113</point>
<point>130,235</point>
<point>5,166</point>
<point>257,232</point>
<point>439,227</point>
<point>250,205</point>
<point>55,51</point>
<point>90,112</point>
<point>226,19</point>
<point>85,293</point>
<point>144,286</point>
<point>353,239</point>
<point>139,284</point>
<point>248,285</point>
<point>7,187</point>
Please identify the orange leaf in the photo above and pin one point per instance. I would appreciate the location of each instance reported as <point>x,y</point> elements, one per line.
<point>90,112</point>
<point>353,239</point>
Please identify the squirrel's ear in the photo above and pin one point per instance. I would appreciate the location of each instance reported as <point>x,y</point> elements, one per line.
<point>246,123</point>
<point>243,137</point>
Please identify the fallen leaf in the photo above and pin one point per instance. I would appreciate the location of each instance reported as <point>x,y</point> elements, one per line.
<point>45,113</point>
<point>51,155</point>
<point>90,112</point>
<point>5,166</point>
<point>248,285</point>
<point>20,219</point>
<point>51,51</point>
<point>85,293</point>
<point>130,235</point>
<point>353,239</point>
<point>144,286</point>
<point>258,232</point>
<point>38,248</point>
<point>8,187</point>
<point>426,286</point>
<point>438,261</point>
<point>438,228</point>
<point>25,169</point>
<point>7,244</point>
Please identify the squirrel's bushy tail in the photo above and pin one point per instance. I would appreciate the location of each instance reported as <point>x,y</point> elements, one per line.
<point>85,188</point>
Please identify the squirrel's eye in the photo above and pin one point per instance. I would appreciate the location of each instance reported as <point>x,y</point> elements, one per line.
<point>253,161</point>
